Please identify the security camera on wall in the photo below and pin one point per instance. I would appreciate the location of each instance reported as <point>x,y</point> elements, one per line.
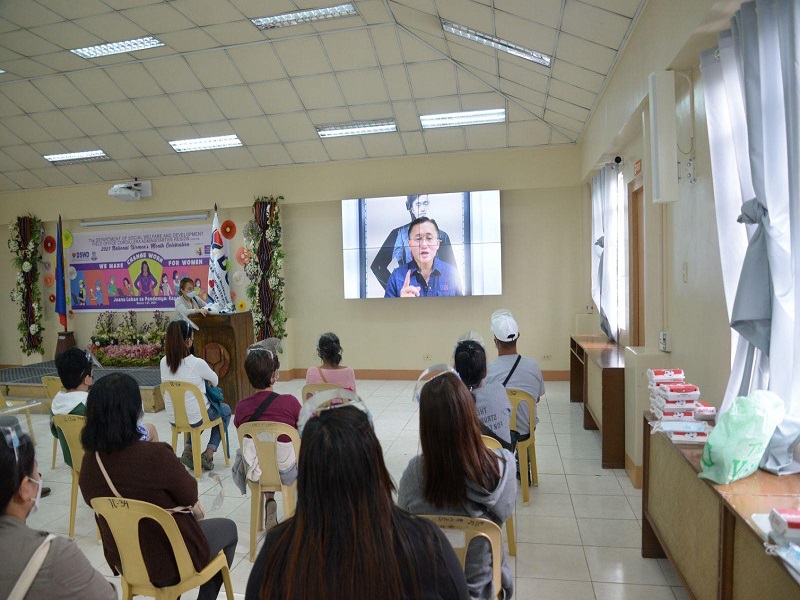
<point>131,191</point>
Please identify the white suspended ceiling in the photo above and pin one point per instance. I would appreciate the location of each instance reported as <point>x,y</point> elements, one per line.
<point>218,74</point>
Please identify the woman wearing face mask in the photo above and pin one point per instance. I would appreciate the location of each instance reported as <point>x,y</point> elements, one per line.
<point>63,571</point>
<point>187,303</point>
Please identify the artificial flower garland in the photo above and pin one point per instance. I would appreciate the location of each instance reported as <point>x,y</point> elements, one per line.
<point>26,236</point>
<point>262,239</point>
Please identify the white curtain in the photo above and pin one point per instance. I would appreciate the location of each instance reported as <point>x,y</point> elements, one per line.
<point>752,105</point>
<point>605,241</point>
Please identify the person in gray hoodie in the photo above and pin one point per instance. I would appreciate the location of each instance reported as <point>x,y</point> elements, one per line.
<point>458,475</point>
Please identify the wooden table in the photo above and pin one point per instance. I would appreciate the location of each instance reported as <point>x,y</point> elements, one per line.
<point>597,379</point>
<point>706,530</point>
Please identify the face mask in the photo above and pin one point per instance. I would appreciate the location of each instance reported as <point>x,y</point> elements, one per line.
<point>191,294</point>
<point>35,506</point>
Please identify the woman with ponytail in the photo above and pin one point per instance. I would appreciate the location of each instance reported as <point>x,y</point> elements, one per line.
<point>179,365</point>
<point>329,350</point>
<point>491,400</point>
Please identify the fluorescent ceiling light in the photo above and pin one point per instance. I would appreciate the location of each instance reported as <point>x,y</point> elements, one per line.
<point>145,220</point>
<point>472,117</point>
<point>209,143</point>
<point>305,16</point>
<point>357,128</point>
<point>118,47</point>
<point>73,158</point>
<point>496,42</point>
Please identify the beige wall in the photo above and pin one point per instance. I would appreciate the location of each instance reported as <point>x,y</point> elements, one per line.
<point>663,29</point>
<point>693,311</point>
<point>542,255</point>
<point>541,282</point>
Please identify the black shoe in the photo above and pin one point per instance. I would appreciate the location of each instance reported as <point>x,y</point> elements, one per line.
<point>45,492</point>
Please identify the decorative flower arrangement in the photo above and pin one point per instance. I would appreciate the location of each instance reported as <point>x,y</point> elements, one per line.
<point>26,236</point>
<point>262,239</point>
<point>129,344</point>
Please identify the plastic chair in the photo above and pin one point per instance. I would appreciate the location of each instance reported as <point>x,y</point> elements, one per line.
<point>312,388</point>
<point>177,391</point>
<point>6,402</point>
<point>52,385</point>
<point>71,427</point>
<point>123,516</point>
<point>493,444</point>
<point>526,449</point>
<point>270,480</point>
<point>473,528</point>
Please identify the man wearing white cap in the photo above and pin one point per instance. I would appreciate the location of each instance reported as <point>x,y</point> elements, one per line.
<point>512,370</point>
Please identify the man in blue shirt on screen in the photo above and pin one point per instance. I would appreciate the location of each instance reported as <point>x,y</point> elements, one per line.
<point>396,247</point>
<point>426,274</point>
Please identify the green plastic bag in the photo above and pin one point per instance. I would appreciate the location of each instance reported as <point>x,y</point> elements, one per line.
<point>738,441</point>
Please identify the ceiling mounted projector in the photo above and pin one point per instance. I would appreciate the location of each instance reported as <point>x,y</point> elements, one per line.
<point>131,191</point>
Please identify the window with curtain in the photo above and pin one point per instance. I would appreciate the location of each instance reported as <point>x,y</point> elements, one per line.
<point>609,265</point>
<point>752,96</point>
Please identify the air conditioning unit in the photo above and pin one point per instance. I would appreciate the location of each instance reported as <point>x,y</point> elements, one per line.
<point>131,191</point>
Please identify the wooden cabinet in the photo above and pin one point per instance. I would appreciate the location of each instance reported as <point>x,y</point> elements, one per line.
<point>597,379</point>
<point>706,530</point>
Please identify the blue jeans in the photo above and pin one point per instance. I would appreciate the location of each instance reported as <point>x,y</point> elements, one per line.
<point>213,443</point>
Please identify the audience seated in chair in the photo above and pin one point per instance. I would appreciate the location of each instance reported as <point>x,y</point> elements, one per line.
<point>179,365</point>
<point>148,472</point>
<point>514,371</point>
<point>491,400</point>
<point>75,369</point>
<point>329,350</point>
<point>457,474</point>
<point>347,539</point>
<point>63,572</point>
<point>261,366</point>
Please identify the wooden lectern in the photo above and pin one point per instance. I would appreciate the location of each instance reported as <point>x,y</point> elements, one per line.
<point>222,342</point>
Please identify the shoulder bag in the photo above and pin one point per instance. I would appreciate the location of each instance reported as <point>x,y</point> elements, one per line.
<point>239,468</point>
<point>197,510</point>
<point>511,372</point>
<point>31,570</point>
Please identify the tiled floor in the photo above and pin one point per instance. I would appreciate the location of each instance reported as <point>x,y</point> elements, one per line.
<point>578,538</point>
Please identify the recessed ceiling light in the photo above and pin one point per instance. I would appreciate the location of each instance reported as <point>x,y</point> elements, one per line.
<point>118,47</point>
<point>73,158</point>
<point>357,128</point>
<point>209,143</point>
<point>496,42</point>
<point>472,117</point>
<point>305,16</point>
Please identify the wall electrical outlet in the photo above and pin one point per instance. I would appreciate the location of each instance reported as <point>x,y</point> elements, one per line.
<point>665,341</point>
<point>547,356</point>
<point>427,357</point>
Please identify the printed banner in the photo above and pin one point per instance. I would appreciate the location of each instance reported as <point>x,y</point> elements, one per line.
<point>135,269</point>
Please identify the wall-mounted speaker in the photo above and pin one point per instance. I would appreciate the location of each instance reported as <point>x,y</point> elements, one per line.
<point>663,137</point>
